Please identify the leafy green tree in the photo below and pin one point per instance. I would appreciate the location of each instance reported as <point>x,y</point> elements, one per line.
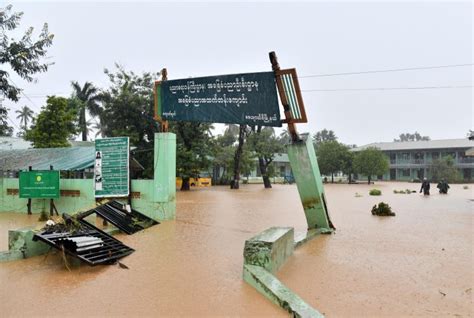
<point>284,138</point>
<point>371,161</point>
<point>239,150</point>
<point>128,111</point>
<point>348,163</point>
<point>331,157</point>
<point>264,143</point>
<point>5,129</point>
<point>23,56</point>
<point>222,151</point>
<point>411,137</point>
<point>323,136</point>
<point>90,98</point>
<point>53,126</point>
<point>444,168</point>
<point>193,146</point>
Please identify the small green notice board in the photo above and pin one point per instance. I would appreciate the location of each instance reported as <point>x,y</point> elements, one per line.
<point>42,184</point>
<point>111,168</point>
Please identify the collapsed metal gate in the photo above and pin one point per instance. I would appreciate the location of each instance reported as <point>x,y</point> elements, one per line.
<point>116,213</point>
<point>87,243</point>
<point>80,239</point>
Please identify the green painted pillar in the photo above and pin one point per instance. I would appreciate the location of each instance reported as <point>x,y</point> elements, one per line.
<point>164,180</point>
<point>310,185</point>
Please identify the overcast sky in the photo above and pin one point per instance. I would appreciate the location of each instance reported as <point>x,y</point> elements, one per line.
<point>200,39</point>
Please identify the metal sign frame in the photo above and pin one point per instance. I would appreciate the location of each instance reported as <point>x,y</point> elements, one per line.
<point>290,95</point>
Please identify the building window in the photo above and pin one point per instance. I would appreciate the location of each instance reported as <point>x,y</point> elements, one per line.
<point>451,154</point>
<point>405,156</point>
<point>282,171</point>
<point>435,155</point>
<point>405,172</point>
<point>393,158</point>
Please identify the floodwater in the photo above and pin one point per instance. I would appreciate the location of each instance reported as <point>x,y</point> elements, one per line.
<point>417,263</point>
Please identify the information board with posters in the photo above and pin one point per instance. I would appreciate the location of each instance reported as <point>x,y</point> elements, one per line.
<point>42,184</point>
<point>111,167</point>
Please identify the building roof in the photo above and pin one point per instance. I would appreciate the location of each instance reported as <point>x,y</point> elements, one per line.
<point>278,158</point>
<point>10,143</point>
<point>72,158</point>
<point>420,145</point>
<point>15,143</point>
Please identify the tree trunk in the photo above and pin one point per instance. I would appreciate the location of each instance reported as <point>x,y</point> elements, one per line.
<point>234,184</point>
<point>332,177</point>
<point>83,124</point>
<point>350,178</point>
<point>185,184</point>
<point>263,170</point>
<point>369,179</point>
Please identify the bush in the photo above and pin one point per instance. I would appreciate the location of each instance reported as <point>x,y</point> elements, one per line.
<point>375,192</point>
<point>465,187</point>
<point>383,209</point>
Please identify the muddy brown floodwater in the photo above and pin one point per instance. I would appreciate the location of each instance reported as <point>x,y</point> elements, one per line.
<point>418,263</point>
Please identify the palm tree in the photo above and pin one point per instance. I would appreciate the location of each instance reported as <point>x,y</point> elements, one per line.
<point>100,129</point>
<point>90,98</point>
<point>24,114</point>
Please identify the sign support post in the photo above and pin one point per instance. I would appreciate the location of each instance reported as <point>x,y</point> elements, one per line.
<point>291,126</point>
<point>301,153</point>
<point>28,205</point>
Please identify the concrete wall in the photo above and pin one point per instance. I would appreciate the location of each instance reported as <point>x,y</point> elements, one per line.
<point>155,198</point>
<point>13,203</point>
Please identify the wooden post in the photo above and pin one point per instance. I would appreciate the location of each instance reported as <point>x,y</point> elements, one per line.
<point>164,123</point>
<point>286,107</point>
<point>29,200</point>
<point>130,179</point>
<point>51,201</point>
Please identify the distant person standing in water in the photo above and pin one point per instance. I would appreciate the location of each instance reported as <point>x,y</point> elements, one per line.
<point>425,187</point>
<point>443,187</point>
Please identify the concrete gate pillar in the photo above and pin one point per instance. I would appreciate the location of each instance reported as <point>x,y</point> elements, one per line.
<point>164,179</point>
<point>310,185</point>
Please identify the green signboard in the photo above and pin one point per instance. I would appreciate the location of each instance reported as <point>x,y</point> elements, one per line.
<point>111,170</point>
<point>39,184</point>
<point>238,99</point>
